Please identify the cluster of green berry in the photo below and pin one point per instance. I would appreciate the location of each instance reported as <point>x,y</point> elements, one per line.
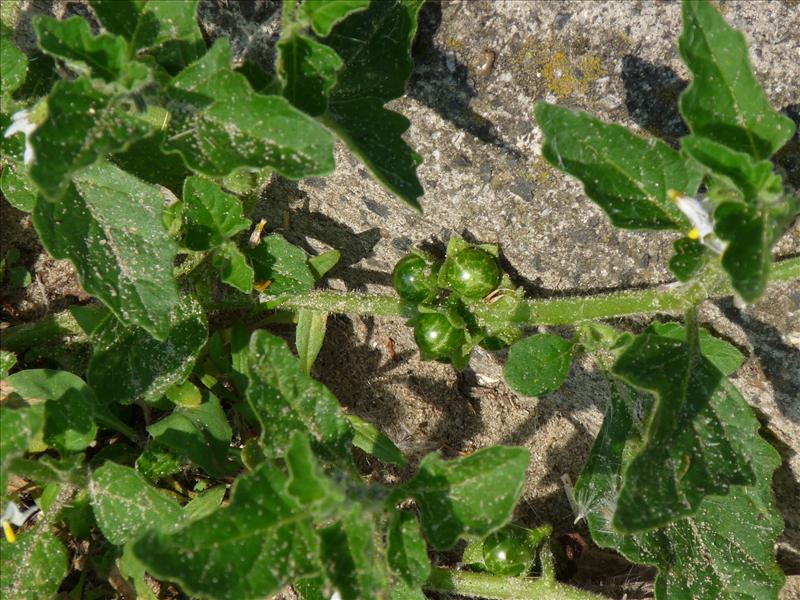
<point>453,299</point>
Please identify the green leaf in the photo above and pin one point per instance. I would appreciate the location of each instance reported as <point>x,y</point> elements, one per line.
<point>725,102</point>
<point>157,462</point>
<point>79,516</point>
<point>146,160</point>
<point>538,364</point>
<point>89,317</point>
<point>72,41</point>
<point>725,550</point>
<point>128,364</point>
<point>324,14</point>
<point>720,353</point>
<point>14,65</point>
<point>629,177</point>
<point>200,434</point>
<point>48,470</point>
<point>375,48</point>
<point>34,566</point>
<point>184,394</point>
<point>126,506</point>
<point>133,569</point>
<point>233,267</point>
<point>475,494</point>
<point>261,542</point>
<point>372,441</point>
<point>400,591</point>
<point>406,550</point>
<point>322,263</point>
<point>82,125</point>
<point>17,187</point>
<point>747,257</point>
<point>307,482</point>
<point>109,225</point>
<point>308,72</point>
<point>19,427</point>
<point>164,29</point>
<point>689,451</point>
<point>219,124</point>
<point>205,503</point>
<point>373,134</point>
<point>42,74</point>
<point>378,61</point>
<point>15,183</point>
<point>351,559</point>
<point>690,256</point>
<point>753,178</point>
<point>7,362</point>
<point>19,276</point>
<point>70,406</point>
<point>210,215</point>
<point>283,264</point>
<point>310,333</point>
<point>285,399</point>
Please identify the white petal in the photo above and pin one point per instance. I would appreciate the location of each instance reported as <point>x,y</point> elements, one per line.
<point>20,123</point>
<point>697,214</point>
<point>28,155</point>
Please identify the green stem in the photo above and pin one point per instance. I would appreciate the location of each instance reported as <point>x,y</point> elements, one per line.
<point>497,587</point>
<point>670,298</point>
<point>351,303</point>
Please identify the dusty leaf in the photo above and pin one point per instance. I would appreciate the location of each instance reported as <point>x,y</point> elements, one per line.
<point>126,505</point>
<point>628,176</point>
<point>128,364</point>
<point>724,550</point>
<point>109,225</point>
<point>261,542</point>
<point>689,450</point>
<point>475,494</point>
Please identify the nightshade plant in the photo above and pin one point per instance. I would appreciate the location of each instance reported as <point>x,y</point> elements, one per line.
<point>210,458</point>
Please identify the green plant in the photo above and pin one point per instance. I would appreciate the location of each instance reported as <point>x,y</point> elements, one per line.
<point>141,166</point>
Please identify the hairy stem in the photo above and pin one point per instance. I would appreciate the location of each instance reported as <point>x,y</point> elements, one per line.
<point>497,587</point>
<point>670,298</point>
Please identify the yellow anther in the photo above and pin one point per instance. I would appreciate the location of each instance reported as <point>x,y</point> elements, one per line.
<point>255,236</point>
<point>260,287</point>
<point>694,234</point>
<point>673,195</point>
<point>9,531</point>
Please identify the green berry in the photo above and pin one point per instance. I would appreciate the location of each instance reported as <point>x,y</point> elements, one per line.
<point>473,273</point>
<point>508,551</point>
<point>414,279</point>
<point>436,336</point>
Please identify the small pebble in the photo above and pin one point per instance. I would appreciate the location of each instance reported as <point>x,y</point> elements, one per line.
<point>485,64</point>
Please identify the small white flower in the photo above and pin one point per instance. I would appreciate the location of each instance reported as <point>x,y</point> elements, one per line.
<point>22,123</point>
<point>12,515</point>
<point>698,211</point>
<point>336,595</point>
